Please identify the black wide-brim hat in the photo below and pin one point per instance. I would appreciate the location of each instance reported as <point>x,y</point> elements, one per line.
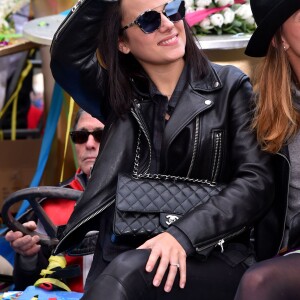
<point>269,15</point>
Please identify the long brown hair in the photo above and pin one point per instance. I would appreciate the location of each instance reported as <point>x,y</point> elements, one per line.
<point>276,120</point>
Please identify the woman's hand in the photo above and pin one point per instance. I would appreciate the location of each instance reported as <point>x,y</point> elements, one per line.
<point>172,256</point>
<point>25,245</point>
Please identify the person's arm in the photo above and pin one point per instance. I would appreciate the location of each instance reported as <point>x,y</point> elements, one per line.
<point>27,269</point>
<point>25,245</point>
<point>30,258</point>
<point>248,194</point>
<point>73,55</point>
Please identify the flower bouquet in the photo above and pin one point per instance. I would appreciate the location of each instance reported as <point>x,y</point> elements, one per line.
<point>219,16</point>
<point>7,28</point>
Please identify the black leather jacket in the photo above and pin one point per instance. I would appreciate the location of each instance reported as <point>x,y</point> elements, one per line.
<point>207,137</point>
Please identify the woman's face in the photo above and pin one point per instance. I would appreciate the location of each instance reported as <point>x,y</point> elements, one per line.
<point>291,38</point>
<point>164,46</point>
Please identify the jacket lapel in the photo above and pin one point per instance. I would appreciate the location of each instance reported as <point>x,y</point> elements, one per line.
<point>190,105</point>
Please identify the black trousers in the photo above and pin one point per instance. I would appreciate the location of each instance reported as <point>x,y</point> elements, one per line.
<point>125,278</point>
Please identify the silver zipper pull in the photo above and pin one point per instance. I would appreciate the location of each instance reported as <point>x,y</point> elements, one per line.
<point>76,5</point>
<point>221,243</point>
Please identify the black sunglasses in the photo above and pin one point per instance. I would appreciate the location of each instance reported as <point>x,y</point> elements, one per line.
<point>81,136</point>
<point>150,20</point>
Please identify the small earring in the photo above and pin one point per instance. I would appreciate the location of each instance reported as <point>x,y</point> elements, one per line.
<point>284,47</point>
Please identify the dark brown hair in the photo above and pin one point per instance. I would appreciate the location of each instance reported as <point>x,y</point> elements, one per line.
<point>121,67</point>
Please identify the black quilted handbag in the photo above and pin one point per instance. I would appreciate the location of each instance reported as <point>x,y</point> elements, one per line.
<point>146,204</point>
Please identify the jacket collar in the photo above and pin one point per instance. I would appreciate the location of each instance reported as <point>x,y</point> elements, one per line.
<point>195,100</point>
<point>192,103</point>
<point>209,83</point>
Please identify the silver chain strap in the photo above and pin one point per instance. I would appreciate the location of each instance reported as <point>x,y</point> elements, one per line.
<point>161,176</point>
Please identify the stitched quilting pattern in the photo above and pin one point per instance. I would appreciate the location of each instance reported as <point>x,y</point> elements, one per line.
<point>149,206</point>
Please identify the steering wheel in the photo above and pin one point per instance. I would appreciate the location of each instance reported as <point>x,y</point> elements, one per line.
<point>35,195</point>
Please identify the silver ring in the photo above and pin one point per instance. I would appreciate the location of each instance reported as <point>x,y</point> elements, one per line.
<point>175,265</point>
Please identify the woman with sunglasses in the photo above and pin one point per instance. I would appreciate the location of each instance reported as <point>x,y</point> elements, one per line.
<point>31,257</point>
<point>135,64</point>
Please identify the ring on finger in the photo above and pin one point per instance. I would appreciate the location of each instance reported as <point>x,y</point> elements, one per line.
<point>175,265</point>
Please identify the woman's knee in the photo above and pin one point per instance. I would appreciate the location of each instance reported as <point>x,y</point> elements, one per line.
<point>129,269</point>
<point>124,277</point>
<point>127,263</point>
<point>256,278</point>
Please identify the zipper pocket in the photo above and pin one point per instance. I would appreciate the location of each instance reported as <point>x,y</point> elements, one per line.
<point>195,147</point>
<point>220,241</point>
<point>217,154</point>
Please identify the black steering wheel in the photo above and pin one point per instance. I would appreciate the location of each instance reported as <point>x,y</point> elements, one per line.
<point>35,195</point>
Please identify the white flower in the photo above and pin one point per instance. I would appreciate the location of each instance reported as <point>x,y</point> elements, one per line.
<point>206,24</point>
<point>189,3</point>
<point>224,2</point>
<point>217,20</point>
<point>189,10</point>
<point>250,21</point>
<point>229,15</point>
<point>203,3</point>
<point>244,11</point>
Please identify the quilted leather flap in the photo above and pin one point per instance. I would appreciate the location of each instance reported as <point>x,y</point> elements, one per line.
<point>161,196</point>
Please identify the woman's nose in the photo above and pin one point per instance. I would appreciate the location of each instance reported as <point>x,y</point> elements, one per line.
<point>166,24</point>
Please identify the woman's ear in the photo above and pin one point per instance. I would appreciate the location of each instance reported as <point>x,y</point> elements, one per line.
<point>274,42</point>
<point>123,46</point>
<point>283,44</point>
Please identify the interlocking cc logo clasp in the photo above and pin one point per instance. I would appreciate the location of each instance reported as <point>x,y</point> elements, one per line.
<point>171,219</point>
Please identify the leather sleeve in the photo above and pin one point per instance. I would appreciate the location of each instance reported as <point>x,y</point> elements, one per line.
<point>73,55</point>
<point>249,192</point>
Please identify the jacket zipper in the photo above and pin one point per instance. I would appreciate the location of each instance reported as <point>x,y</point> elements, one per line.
<point>196,141</point>
<point>217,138</point>
<point>142,125</point>
<point>221,241</point>
<point>86,220</point>
<point>68,18</point>
<point>76,5</point>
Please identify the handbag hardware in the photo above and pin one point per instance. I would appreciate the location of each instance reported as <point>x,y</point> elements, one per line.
<point>147,204</point>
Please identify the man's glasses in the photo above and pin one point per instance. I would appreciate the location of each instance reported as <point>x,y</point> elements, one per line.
<point>150,20</point>
<point>81,136</point>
